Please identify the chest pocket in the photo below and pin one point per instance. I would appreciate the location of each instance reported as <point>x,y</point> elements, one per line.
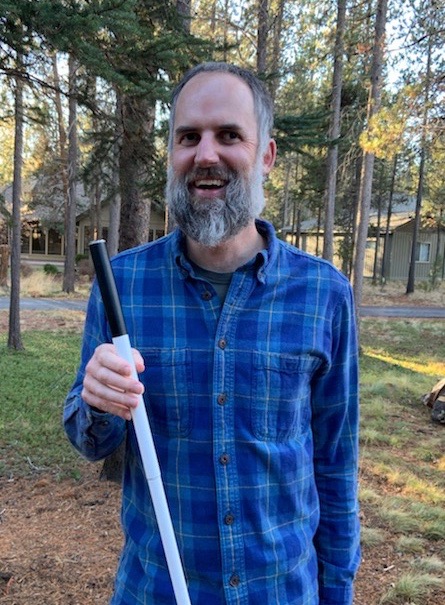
<point>167,381</point>
<point>281,397</point>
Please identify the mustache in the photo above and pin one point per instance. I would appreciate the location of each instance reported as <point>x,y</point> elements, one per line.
<point>212,172</point>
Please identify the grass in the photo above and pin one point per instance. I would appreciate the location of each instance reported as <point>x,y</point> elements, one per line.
<point>411,588</point>
<point>402,478</point>
<point>34,385</point>
<point>36,283</point>
<point>402,462</point>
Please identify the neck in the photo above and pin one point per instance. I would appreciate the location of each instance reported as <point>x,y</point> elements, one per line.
<point>228,256</point>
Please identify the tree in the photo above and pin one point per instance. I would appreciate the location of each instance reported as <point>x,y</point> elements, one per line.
<point>262,35</point>
<point>423,151</point>
<point>14,334</point>
<point>70,218</point>
<point>369,156</point>
<point>334,134</point>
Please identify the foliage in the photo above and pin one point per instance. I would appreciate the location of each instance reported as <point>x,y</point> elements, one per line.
<point>49,269</point>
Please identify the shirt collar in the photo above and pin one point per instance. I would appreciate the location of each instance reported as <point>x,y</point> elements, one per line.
<point>261,264</point>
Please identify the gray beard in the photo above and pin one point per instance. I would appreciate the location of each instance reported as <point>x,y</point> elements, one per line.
<point>214,221</point>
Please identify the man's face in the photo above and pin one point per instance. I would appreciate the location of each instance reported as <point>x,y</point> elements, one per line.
<point>214,186</point>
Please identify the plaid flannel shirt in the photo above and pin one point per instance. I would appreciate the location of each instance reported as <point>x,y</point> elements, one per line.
<point>253,406</point>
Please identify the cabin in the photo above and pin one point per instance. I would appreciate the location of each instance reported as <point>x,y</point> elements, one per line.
<point>430,254</point>
<point>46,245</point>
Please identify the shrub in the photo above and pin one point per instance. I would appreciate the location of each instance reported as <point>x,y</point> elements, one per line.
<point>49,269</point>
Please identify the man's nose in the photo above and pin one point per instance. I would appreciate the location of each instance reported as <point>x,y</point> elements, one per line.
<point>206,151</point>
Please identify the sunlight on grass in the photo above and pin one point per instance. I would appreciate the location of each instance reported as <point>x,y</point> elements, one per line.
<point>430,368</point>
<point>36,283</point>
<point>407,483</point>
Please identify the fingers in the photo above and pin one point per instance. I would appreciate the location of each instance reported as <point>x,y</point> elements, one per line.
<point>108,383</point>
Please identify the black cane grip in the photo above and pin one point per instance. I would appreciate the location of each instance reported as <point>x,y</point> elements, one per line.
<point>107,287</point>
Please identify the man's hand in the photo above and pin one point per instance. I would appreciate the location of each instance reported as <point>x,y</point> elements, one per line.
<point>108,384</point>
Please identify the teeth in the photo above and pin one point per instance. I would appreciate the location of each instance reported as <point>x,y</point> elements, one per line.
<point>209,183</point>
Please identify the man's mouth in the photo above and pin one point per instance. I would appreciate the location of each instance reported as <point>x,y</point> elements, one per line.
<point>209,184</point>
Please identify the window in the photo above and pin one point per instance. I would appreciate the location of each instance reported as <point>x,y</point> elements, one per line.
<point>38,241</point>
<point>423,252</point>
<point>54,242</point>
<point>26,239</point>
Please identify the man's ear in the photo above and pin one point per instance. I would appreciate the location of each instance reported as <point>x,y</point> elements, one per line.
<point>269,157</point>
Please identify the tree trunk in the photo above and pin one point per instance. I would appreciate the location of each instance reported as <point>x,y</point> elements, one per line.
<point>262,33</point>
<point>385,256</point>
<point>368,159</point>
<point>334,134</point>
<point>423,144</point>
<point>4,263</point>
<point>137,128</point>
<point>61,130</point>
<point>379,227</point>
<point>115,203</point>
<point>137,121</point>
<point>14,334</point>
<point>276,51</point>
<point>184,9</point>
<point>70,222</point>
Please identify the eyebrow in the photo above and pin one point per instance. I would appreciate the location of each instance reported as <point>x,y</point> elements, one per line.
<point>180,130</point>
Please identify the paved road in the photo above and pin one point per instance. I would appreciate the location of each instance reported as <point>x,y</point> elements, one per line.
<point>46,304</point>
<point>422,312</point>
<point>366,311</point>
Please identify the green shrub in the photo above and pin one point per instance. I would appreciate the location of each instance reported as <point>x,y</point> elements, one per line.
<point>49,269</point>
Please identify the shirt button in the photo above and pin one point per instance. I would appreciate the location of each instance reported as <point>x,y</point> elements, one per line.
<point>206,295</point>
<point>234,580</point>
<point>222,398</point>
<point>222,343</point>
<point>229,519</point>
<point>224,459</point>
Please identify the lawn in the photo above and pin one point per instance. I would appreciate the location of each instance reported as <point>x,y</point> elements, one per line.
<point>402,479</point>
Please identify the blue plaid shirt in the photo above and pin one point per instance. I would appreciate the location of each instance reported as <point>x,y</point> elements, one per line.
<point>254,412</point>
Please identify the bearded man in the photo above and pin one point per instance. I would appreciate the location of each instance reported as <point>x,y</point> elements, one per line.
<point>247,358</point>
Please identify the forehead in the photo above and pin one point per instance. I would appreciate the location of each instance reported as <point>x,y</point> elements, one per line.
<point>215,97</point>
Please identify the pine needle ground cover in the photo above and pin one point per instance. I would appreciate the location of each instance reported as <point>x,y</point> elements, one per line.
<point>59,526</point>
<point>402,478</point>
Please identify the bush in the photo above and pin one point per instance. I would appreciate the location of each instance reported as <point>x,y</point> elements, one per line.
<point>49,269</point>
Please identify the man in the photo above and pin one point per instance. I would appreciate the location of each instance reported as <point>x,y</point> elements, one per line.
<point>247,355</point>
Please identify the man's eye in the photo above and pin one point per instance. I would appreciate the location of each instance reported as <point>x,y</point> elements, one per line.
<point>189,138</point>
<point>230,136</point>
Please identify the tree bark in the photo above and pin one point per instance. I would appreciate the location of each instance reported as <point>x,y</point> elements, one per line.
<point>184,9</point>
<point>262,34</point>
<point>14,334</point>
<point>137,127</point>
<point>276,49</point>
<point>385,257</point>
<point>368,158</point>
<point>410,286</point>
<point>334,134</point>
<point>4,263</point>
<point>70,222</point>
<point>61,130</point>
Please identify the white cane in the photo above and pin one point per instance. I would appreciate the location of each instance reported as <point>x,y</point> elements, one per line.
<point>113,310</point>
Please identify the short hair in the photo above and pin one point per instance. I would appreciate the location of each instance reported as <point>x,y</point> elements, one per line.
<point>263,104</point>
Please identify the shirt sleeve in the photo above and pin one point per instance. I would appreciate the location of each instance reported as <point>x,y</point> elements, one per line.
<point>335,428</point>
<point>93,433</point>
